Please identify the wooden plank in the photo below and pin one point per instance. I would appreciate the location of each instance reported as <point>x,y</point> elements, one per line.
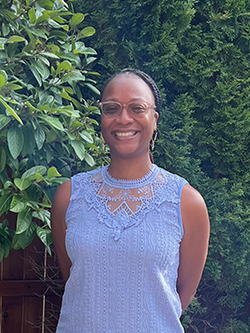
<point>33,261</point>
<point>32,314</point>
<point>24,288</point>
<point>13,265</point>
<point>11,315</point>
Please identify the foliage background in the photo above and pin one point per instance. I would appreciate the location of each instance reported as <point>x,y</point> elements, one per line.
<point>198,53</point>
<point>47,126</point>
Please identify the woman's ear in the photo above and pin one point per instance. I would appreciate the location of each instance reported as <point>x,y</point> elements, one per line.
<point>156,116</point>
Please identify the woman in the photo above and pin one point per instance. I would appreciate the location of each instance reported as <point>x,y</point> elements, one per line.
<point>136,235</point>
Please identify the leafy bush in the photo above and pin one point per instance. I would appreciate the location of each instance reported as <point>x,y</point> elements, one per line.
<point>47,128</point>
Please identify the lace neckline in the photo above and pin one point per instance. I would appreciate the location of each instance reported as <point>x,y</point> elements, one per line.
<point>129,183</point>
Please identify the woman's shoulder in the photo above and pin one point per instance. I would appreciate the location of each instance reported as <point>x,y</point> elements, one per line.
<point>86,175</point>
<point>171,178</point>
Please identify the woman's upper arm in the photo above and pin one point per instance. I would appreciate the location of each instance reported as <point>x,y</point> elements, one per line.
<point>194,245</point>
<point>58,212</point>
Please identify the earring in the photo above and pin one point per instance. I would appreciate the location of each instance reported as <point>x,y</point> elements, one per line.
<point>153,141</point>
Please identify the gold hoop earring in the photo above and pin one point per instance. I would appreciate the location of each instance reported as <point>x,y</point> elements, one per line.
<point>153,141</point>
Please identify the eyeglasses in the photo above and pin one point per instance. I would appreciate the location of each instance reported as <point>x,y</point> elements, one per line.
<point>137,109</point>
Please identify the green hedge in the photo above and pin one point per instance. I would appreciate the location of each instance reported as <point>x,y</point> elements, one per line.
<point>198,53</point>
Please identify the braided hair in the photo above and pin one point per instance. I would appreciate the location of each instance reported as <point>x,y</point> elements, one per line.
<point>146,78</point>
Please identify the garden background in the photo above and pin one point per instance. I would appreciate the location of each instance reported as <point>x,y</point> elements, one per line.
<point>54,55</point>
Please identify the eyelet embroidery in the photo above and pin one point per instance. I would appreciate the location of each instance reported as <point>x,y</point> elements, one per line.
<point>121,204</point>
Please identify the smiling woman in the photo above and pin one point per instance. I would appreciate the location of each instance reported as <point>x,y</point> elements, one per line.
<point>128,133</point>
<point>131,238</point>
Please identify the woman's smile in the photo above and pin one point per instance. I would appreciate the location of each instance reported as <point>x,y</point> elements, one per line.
<point>125,134</point>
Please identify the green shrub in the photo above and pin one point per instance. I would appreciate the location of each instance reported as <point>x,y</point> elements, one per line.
<point>47,128</point>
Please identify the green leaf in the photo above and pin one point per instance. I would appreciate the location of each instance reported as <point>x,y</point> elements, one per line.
<point>69,90</point>
<point>39,178</point>
<point>5,30</point>
<point>4,121</point>
<point>40,67</point>
<point>63,66</point>
<point>22,184</point>
<point>7,247</point>
<point>31,107</point>
<point>8,184</point>
<point>44,60</point>
<point>31,173</point>
<point>89,159</point>
<point>2,159</point>
<point>73,76</point>
<point>78,148</point>
<point>49,55</point>
<point>76,19</point>
<point>36,74</point>
<point>14,86</point>
<point>5,224</point>
<point>86,136</point>
<point>81,48</point>
<point>11,111</point>
<point>42,215</point>
<point>15,140</point>
<point>58,34</point>
<point>4,74</point>
<point>93,88</point>
<point>65,95</point>
<point>86,32</point>
<point>9,13</point>
<point>54,122</point>
<point>24,239</point>
<point>17,205</point>
<point>5,201</point>
<point>24,219</point>
<point>2,80</point>
<point>45,236</point>
<point>16,39</point>
<point>52,172</point>
<point>34,192</point>
<point>2,43</point>
<point>72,57</point>
<point>29,139</point>
<point>86,50</point>
<point>3,233</point>
<point>39,136</point>
<point>32,15</point>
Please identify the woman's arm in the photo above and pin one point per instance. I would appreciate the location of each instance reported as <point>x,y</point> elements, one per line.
<point>58,212</point>
<point>194,245</point>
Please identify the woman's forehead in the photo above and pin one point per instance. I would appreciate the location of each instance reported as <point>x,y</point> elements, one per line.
<point>127,83</point>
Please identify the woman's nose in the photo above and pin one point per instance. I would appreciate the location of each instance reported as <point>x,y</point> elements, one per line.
<point>125,116</point>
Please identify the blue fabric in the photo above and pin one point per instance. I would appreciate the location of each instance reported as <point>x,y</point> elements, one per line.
<point>123,240</point>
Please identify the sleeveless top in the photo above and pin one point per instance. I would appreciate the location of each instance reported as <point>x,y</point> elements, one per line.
<point>123,239</point>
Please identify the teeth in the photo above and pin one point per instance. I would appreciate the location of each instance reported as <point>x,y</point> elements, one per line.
<point>125,134</point>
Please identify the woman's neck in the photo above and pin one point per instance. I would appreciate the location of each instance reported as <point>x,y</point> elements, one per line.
<point>136,168</point>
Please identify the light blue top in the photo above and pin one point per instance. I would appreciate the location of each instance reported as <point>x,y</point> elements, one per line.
<point>123,239</point>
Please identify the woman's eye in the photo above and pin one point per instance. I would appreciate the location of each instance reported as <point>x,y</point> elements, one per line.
<point>138,108</point>
<point>111,108</point>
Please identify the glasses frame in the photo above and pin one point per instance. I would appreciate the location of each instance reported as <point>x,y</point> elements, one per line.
<point>133,115</point>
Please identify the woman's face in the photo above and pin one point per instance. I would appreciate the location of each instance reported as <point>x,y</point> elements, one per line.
<point>125,135</point>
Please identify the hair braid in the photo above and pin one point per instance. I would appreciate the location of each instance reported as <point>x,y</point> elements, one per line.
<point>146,78</point>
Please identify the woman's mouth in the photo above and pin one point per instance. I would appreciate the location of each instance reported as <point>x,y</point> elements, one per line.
<point>124,134</point>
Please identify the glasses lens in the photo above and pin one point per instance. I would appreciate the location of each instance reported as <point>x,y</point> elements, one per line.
<point>111,109</point>
<point>138,109</point>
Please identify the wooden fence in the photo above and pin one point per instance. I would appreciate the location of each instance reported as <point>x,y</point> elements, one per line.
<point>30,290</point>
